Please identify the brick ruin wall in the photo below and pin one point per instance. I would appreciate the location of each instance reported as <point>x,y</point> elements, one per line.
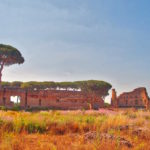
<point>55,99</point>
<point>72,100</point>
<point>138,98</point>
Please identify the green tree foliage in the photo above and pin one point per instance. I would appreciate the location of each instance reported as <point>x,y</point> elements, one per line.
<point>90,86</point>
<point>38,85</point>
<point>6,84</point>
<point>95,86</point>
<point>9,56</point>
<point>16,84</point>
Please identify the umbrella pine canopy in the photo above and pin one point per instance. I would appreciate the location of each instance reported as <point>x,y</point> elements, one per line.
<point>8,56</point>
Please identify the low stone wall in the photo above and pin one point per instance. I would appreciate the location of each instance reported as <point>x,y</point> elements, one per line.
<point>55,99</point>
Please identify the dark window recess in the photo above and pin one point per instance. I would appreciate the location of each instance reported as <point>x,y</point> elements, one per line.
<point>126,102</point>
<point>4,101</point>
<point>136,102</point>
<point>57,100</point>
<point>39,102</point>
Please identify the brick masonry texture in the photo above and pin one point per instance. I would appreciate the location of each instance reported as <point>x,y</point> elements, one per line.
<point>55,99</point>
<point>137,98</point>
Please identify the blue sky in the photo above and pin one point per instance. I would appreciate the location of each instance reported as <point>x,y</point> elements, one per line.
<point>79,40</point>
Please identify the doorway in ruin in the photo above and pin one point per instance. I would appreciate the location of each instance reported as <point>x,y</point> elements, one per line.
<point>15,99</point>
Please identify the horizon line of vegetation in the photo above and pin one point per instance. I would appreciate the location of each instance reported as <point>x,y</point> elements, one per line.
<point>96,86</point>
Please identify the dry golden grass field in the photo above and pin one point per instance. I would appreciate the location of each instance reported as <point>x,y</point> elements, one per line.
<point>75,130</point>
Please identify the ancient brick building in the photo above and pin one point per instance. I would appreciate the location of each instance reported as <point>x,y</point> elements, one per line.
<point>55,99</point>
<point>138,98</point>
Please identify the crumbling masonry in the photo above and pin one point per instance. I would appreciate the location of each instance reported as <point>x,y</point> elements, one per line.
<point>138,98</point>
<point>54,99</point>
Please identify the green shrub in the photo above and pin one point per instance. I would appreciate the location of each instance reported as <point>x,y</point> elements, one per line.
<point>3,108</point>
<point>16,107</point>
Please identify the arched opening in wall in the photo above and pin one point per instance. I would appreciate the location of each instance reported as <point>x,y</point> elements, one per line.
<point>15,99</point>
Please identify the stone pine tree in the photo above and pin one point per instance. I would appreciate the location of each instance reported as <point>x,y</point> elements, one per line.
<point>9,56</point>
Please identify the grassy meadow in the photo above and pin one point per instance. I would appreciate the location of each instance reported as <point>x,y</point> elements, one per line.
<point>75,130</point>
